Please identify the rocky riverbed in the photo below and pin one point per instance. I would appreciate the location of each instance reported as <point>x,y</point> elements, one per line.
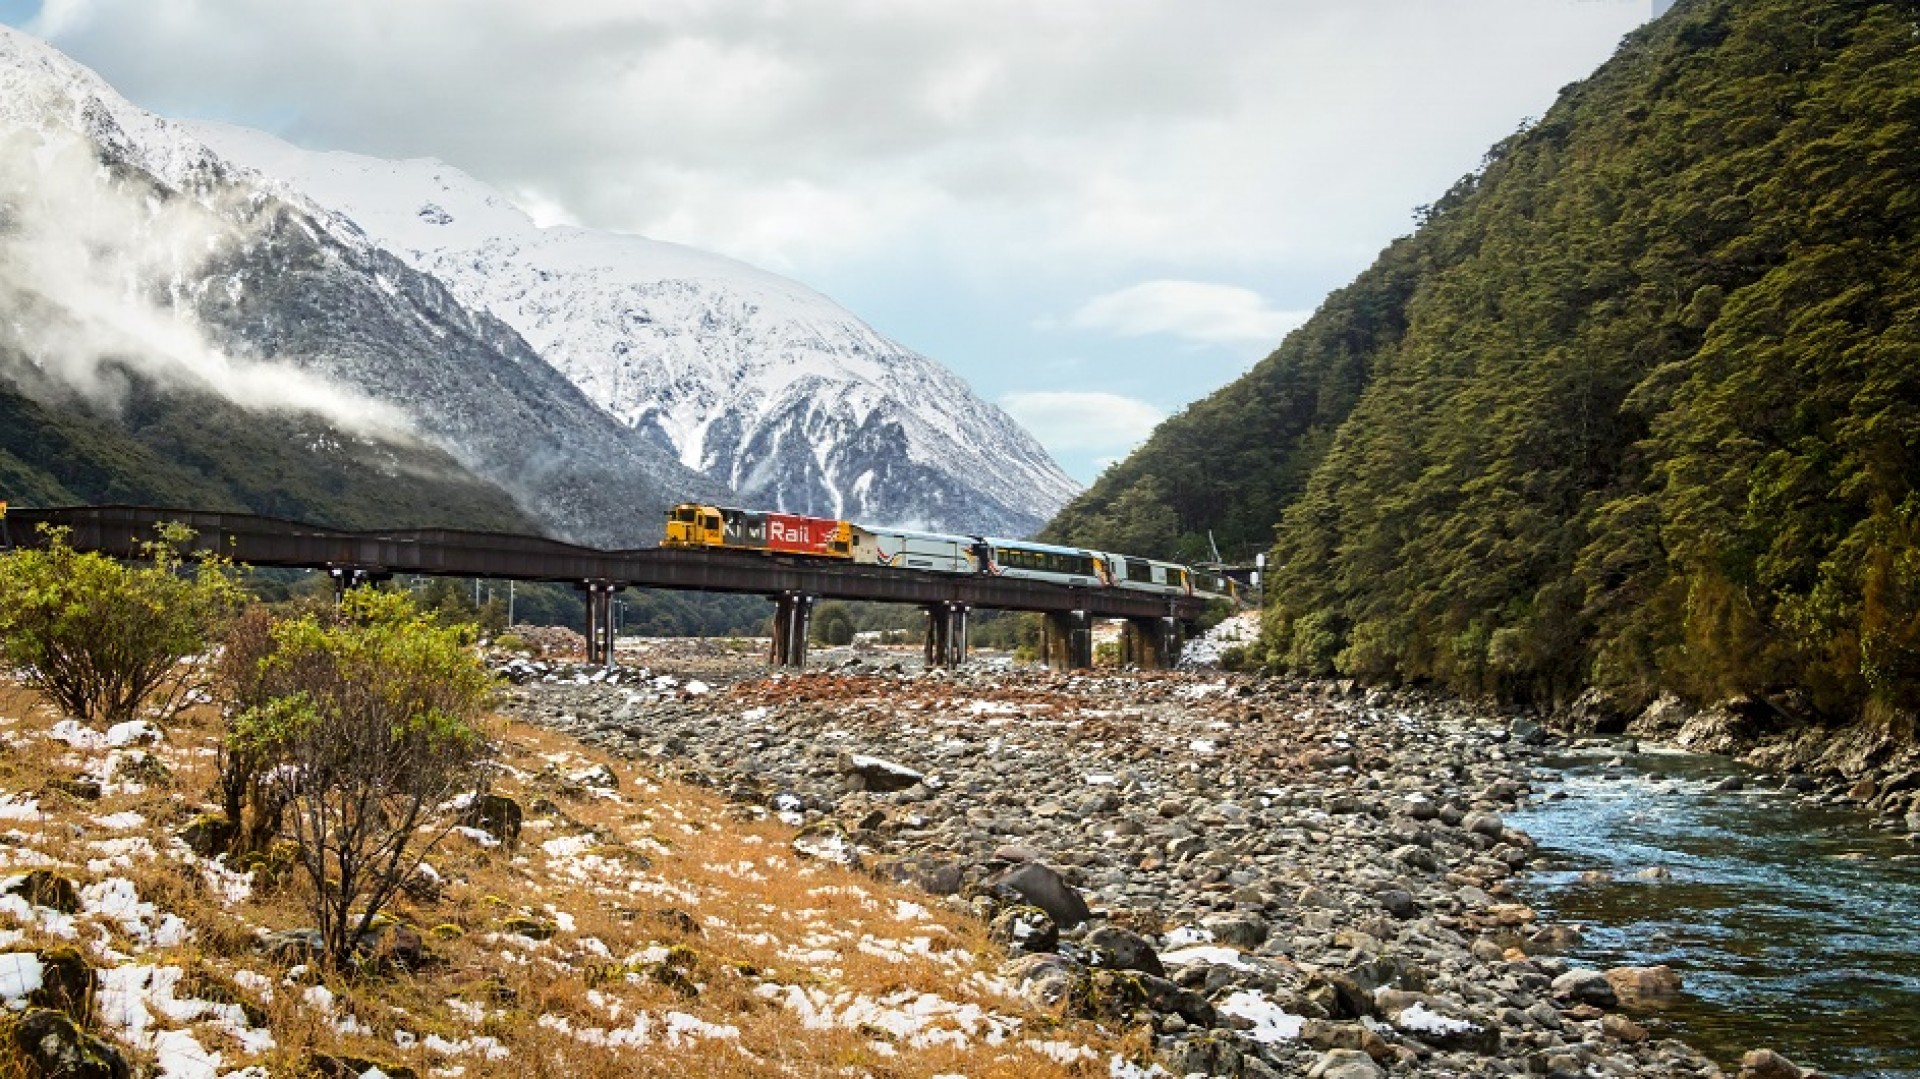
<point>1265,878</point>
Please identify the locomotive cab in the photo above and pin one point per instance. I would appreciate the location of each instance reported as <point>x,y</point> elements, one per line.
<point>692,525</point>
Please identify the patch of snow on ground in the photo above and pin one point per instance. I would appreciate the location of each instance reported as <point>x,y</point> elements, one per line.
<point>1188,934</point>
<point>1271,1023</point>
<point>180,1055</point>
<point>918,1019</point>
<point>1215,956</point>
<point>77,734</point>
<point>1421,1020</point>
<point>1062,1052</point>
<point>133,732</point>
<point>20,974</point>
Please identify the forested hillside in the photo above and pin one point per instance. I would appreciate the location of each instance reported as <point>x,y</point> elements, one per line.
<point>1637,407</point>
<point>188,450</point>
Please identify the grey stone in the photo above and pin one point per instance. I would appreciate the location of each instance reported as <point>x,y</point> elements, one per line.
<point>54,1046</point>
<point>1400,903</point>
<point>1767,1064</point>
<point>1583,985</point>
<point>497,815</point>
<point>1046,889</point>
<point>879,774</point>
<point>1346,1064</point>
<point>1239,930</point>
<point>1024,928</point>
<point>1121,949</point>
<point>1044,979</point>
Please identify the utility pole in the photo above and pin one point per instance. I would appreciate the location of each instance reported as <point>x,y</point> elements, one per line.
<point>509,602</point>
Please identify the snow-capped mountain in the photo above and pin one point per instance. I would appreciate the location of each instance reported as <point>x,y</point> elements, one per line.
<point>756,381</point>
<point>127,245</point>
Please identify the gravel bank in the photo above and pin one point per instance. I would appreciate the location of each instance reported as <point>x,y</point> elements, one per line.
<point>1277,878</point>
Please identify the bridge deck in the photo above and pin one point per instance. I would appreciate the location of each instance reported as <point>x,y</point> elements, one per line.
<point>272,541</point>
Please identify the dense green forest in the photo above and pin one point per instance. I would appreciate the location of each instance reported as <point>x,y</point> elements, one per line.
<point>193,450</point>
<point>1637,407</point>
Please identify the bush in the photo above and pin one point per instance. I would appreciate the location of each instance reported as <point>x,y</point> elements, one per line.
<point>100,637</point>
<point>833,624</point>
<point>360,726</point>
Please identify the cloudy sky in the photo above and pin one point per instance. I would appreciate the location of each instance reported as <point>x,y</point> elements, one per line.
<point>1096,211</point>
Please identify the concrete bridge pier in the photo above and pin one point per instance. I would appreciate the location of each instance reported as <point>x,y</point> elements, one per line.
<point>345,577</point>
<point>947,634</point>
<point>1066,640</point>
<point>1151,644</point>
<point>792,619</point>
<point>600,627</point>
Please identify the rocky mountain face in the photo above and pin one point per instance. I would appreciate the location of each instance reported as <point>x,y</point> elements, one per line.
<point>764,386</point>
<point>138,263</point>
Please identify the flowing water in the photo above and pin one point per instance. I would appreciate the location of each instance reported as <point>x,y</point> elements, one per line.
<point>1794,927</point>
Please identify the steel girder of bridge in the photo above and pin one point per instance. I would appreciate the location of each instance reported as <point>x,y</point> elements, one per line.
<point>792,582</point>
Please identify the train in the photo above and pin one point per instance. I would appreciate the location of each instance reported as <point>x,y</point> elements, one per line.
<point>693,524</point>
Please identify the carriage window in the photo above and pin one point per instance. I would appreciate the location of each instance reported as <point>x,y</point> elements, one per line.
<point>1046,561</point>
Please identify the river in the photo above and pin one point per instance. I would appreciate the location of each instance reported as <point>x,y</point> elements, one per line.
<point>1794,927</point>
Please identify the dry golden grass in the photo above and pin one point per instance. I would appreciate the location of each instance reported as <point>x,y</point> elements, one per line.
<point>662,901</point>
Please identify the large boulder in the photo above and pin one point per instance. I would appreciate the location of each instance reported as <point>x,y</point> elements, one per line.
<point>1237,929</point>
<point>877,774</point>
<point>1035,883</point>
<point>45,888</point>
<point>1767,1064</point>
<point>1346,1064</point>
<point>67,982</point>
<point>1640,987</point>
<point>1043,978</point>
<point>1130,996</point>
<point>1583,985</point>
<point>1120,949</point>
<point>497,815</point>
<point>208,835</point>
<point>54,1047</point>
<point>1732,726</point>
<point>1661,719</point>
<point>1595,712</point>
<point>1024,927</point>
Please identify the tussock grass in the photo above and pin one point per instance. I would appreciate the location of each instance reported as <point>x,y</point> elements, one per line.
<point>652,914</point>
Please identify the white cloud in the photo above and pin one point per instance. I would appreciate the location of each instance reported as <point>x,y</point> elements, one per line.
<point>98,264</point>
<point>1005,156</point>
<point>1195,310</point>
<point>1081,422</point>
<point>1135,132</point>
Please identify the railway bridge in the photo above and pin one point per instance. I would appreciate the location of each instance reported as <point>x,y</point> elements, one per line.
<point>1154,623</point>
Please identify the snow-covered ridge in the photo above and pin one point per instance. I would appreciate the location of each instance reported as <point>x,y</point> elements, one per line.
<point>755,380</point>
<point>44,91</point>
<point>129,241</point>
